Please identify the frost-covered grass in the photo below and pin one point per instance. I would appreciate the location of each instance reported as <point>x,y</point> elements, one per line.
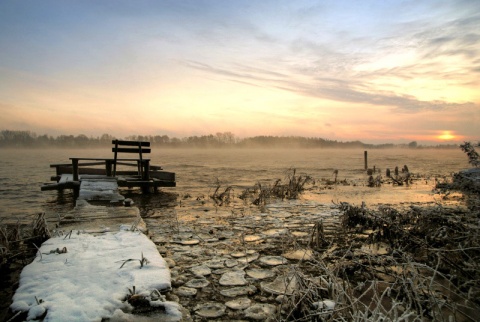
<point>421,264</point>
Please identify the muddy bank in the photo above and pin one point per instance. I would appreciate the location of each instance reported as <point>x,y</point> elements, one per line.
<point>298,261</point>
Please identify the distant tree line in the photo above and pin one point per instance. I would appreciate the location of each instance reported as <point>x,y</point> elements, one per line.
<point>28,139</point>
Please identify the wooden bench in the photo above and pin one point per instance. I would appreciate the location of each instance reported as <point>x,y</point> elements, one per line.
<point>119,147</point>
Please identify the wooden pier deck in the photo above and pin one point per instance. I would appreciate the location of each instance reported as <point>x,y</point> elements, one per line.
<point>78,272</point>
<point>91,171</point>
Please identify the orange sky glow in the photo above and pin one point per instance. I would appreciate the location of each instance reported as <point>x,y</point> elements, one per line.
<point>378,72</point>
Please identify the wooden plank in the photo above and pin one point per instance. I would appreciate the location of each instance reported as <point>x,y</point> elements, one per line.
<point>131,150</point>
<point>163,175</point>
<point>129,164</point>
<point>131,159</point>
<point>131,143</point>
<point>60,186</point>
<point>60,165</point>
<point>64,169</point>
<point>67,169</point>
<point>91,163</point>
<point>92,171</point>
<point>96,159</point>
<point>138,183</point>
<point>92,159</point>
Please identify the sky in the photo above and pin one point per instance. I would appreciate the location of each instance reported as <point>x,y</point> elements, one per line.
<point>376,71</point>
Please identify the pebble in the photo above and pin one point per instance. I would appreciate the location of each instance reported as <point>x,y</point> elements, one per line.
<point>277,232</point>
<point>259,273</point>
<point>286,284</point>
<point>178,282</point>
<point>216,263</point>
<point>239,304</point>
<point>233,278</point>
<point>300,254</point>
<point>231,263</point>
<point>238,254</point>
<point>197,283</point>
<point>201,270</point>
<point>210,309</point>
<point>251,238</point>
<point>186,291</point>
<point>260,311</point>
<point>273,260</point>
<point>239,291</point>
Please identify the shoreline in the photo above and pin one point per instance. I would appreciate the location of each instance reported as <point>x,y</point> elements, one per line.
<point>195,221</point>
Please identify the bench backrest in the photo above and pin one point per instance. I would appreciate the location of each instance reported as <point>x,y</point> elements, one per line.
<point>137,147</point>
<point>133,147</point>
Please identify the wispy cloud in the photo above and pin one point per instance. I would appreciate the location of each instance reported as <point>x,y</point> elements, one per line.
<point>420,51</point>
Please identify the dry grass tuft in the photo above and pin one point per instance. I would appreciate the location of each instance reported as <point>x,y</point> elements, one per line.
<point>421,264</point>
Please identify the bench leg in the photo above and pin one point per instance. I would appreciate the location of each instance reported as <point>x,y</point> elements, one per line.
<point>108,168</point>
<point>146,170</point>
<point>75,169</point>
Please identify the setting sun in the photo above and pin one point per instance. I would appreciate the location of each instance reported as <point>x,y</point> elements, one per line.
<point>446,136</point>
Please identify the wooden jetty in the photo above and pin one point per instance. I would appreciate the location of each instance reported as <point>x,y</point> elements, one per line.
<point>145,176</point>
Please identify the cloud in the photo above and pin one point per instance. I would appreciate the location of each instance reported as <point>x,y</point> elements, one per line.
<point>389,69</point>
<point>340,90</point>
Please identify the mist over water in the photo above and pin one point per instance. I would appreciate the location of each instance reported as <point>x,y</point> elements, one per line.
<point>22,173</point>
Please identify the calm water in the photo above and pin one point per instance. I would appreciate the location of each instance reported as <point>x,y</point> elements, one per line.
<point>22,173</point>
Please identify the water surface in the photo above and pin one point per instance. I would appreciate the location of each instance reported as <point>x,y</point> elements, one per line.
<point>22,172</point>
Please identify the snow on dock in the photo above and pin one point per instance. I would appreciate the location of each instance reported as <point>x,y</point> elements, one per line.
<point>98,187</point>
<point>99,259</point>
<point>100,263</point>
<point>87,277</point>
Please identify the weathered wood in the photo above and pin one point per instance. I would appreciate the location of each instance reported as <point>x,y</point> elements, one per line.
<point>61,186</point>
<point>140,183</point>
<point>365,156</point>
<point>132,150</point>
<point>131,143</point>
<point>60,165</point>
<point>75,169</point>
<point>163,175</point>
<point>143,165</point>
<point>69,176</point>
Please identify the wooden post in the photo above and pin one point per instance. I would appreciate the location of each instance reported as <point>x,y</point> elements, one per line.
<point>366,159</point>
<point>75,169</point>
<point>115,158</point>
<point>146,170</point>
<point>108,167</point>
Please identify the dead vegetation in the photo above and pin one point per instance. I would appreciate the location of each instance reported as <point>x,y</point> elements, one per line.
<point>17,249</point>
<point>222,198</point>
<point>17,242</point>
<point>421,264</point>
<point>469,149</point>
<point>291,188</point>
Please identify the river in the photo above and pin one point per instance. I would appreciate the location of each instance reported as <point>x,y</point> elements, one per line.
<point>23,171</point>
